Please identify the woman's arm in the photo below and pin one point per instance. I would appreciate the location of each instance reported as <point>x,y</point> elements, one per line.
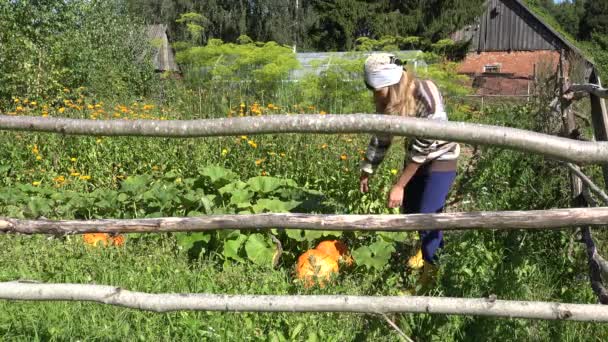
<point>395,197</point>
<point>376,151</point>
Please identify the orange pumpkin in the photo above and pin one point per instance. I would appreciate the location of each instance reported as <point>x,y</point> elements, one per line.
<point>94,239</point>
<point>335,249</point>
<point>314,266</point>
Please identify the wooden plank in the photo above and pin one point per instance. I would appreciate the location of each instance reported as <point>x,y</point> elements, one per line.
<point>532,220</point>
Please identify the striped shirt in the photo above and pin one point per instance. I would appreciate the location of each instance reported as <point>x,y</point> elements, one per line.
<point>429,105</point>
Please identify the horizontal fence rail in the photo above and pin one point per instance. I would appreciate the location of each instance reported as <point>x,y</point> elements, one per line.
<point>518,139</point>
<point>167,302</point>
<point>533,220</point>
<point>591,89</point>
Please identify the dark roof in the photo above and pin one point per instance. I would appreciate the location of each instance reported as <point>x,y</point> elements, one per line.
<point>163,58</point>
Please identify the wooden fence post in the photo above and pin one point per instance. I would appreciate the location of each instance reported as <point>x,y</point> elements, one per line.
<point>599,118</point>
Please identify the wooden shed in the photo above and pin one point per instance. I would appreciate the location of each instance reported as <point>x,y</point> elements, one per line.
<point>163,57</point>
<point>509,47</point>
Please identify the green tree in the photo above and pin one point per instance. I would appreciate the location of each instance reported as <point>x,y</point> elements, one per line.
<point>595,18</point>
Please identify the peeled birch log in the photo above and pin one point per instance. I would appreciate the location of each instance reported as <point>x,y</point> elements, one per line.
<point>167,302</point>
<point>517,139</point>
<point>533,220</point>
<point>591,89</point>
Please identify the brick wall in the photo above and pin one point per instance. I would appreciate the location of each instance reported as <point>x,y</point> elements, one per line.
<point>519,63</point>
<point>516,70</point>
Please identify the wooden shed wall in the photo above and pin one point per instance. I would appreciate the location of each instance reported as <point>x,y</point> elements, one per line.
<point>507,25</point>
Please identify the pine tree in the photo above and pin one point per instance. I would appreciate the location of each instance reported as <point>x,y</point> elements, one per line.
<point>595,18</point>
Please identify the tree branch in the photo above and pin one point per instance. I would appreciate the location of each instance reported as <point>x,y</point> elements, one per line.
<point>167,302</point>
<point>588,182</point>
<point>517,139</point>
<point>532,220</point>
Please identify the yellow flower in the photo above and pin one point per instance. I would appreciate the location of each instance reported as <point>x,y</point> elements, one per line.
<point>19,108</point>
<point>36,183</point>
<point>282,154</point>
<point>75,174</point>
<point>155,168</point>
<point>85,177</point>
<point>59,179</point>
<point>148,107</point>
<point>73,159</point>
<point>322,112</point>
<point>252,144</point>
<point>45,114</point>
<point>264,173</point>
<point>259,161</point>
<point>98,141</point>
<point>90,106</point>
<point>26,101</point>
<point>178,180</point>
<point>344,156</point>
<point>33,103</point>
<point>61,110</point>
<point>224,152</point>
<point>394,171</point>
<point>35,149</point>
<point>66,90</point>
<point>244,137</point>
<point>324,146</point>
<point>38,158</point>
<point>16,100</point>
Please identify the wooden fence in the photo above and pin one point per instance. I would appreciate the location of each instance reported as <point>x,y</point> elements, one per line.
<point>561,148</point>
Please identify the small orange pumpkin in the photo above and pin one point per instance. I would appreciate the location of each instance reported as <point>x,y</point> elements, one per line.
<point>315,265</point>
<point>94,239</point>
<point>335,249</point>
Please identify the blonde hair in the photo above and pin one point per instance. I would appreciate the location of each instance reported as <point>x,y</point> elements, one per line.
<point>400,98</point>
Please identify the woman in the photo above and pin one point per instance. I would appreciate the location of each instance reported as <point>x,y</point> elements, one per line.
<point>430,168</point>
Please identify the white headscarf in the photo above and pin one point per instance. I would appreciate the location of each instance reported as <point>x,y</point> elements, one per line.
<point>380,72</point>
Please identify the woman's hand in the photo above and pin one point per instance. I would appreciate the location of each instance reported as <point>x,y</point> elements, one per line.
<point>395,197</point>
<point>364,182</point>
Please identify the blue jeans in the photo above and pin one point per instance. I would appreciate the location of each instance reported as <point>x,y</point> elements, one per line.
<point>426,193</point>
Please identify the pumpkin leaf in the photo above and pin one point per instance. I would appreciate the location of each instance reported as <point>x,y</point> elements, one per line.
<point>135,184</point>
<point>241,198</point>
<point>232,247</point>
<point>187,240</point>
<point>309,235</point>
<point>231,187</point>
<point>274,206</point>
<point>218,174</point>
<point>394,236</point>
<point>260,250</point>
<point>295,234</point>
<point>264,184</point>
<point>375,255</point>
